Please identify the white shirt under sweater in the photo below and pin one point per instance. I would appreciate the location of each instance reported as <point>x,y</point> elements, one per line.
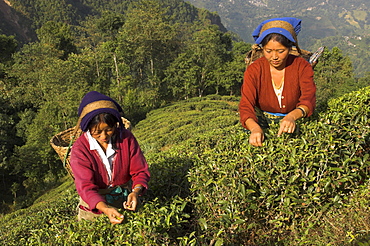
<point>106,157</point>
<point>278,93</point>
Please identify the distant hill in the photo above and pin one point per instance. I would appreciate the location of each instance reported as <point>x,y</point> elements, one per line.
<point>341,19</point>
<point>333,23</point>
<point>15,24</point>
<point>22,18</point>
<point>320,18</point>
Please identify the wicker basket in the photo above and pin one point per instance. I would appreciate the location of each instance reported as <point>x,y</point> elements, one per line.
<point>62,142</point>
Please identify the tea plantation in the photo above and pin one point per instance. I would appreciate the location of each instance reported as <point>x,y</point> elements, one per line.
<point>210,187</point>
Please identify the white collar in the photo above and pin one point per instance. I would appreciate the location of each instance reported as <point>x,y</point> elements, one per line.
<point>94,145</point>
<point>107,158</point>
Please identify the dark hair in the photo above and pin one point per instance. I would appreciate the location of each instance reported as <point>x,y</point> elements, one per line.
<point>278,38</point>
<point>108,119</point>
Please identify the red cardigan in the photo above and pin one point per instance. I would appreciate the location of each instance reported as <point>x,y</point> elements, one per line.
<point>257,90</point>
<point>90,173</point>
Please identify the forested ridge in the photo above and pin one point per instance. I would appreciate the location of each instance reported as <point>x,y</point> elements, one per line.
<point>177,73</point>
<point>321,19</point>
<point>332,23</point>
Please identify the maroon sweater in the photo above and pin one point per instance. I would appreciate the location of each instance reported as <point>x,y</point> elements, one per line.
<point>257,90</point>
<point>90,173</point>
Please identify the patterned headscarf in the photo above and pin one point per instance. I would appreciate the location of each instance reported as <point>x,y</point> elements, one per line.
<point>286,26</point>
<point>94,103</point>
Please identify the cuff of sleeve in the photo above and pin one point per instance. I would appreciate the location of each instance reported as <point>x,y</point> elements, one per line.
<point>92,204</point>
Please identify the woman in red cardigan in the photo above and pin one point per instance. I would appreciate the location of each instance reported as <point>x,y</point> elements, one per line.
<point>109,168</point>
<point>278,86</point>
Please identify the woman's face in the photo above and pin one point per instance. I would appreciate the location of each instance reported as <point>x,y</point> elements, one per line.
<point>276,54</point>
<point>102,133</point>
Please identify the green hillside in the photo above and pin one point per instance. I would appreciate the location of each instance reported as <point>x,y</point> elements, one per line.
<point>164,61</point>
<point>210,187</point>
<point>22,18</point>
<point>332,23</point>
<point>320,18</point>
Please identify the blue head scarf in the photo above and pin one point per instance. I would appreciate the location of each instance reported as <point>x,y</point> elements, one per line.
<point>94,103</point>
<point>286,26</point>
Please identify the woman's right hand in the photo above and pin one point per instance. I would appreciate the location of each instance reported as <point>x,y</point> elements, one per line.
<point>114,216</point>
<point>256,138</point>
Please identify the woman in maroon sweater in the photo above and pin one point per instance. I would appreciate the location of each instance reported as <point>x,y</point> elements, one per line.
<point>278,86</point>
<point>109,168</point>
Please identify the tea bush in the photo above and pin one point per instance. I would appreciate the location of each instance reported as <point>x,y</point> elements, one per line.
<point>348,225</point>
<point>258,195</point>
<point>210,187</point>
<point>176,123</point>
<point>52,221</point>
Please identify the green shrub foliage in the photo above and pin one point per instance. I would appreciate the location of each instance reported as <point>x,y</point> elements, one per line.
<point>240,191</point>
<point>210,187</point>
<point>145,54</point>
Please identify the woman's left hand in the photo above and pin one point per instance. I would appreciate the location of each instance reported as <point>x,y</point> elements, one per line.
<point>132,201</point>
<point>287,124</point>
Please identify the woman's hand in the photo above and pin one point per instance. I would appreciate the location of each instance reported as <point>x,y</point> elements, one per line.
<point>287,124</point>
<point>132,201</point>
<point>256,138</point>
<point>114,216</point>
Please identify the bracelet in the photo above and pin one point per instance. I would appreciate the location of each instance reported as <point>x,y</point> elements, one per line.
<point>304,114</point>
<point>137,187</point>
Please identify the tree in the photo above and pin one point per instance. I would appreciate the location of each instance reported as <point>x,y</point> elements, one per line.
<point>229,76</point>
<point>45,92</point>
<point>23,83</point>
<point>194,71</point>
<point>364,81</point>
<point>149,39</point>
<point>59,36</point>
<point>8,46</point>
<point>181,76</point>
<point>333,76</point>
<point>145,46</point>
<point>110,23</point>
